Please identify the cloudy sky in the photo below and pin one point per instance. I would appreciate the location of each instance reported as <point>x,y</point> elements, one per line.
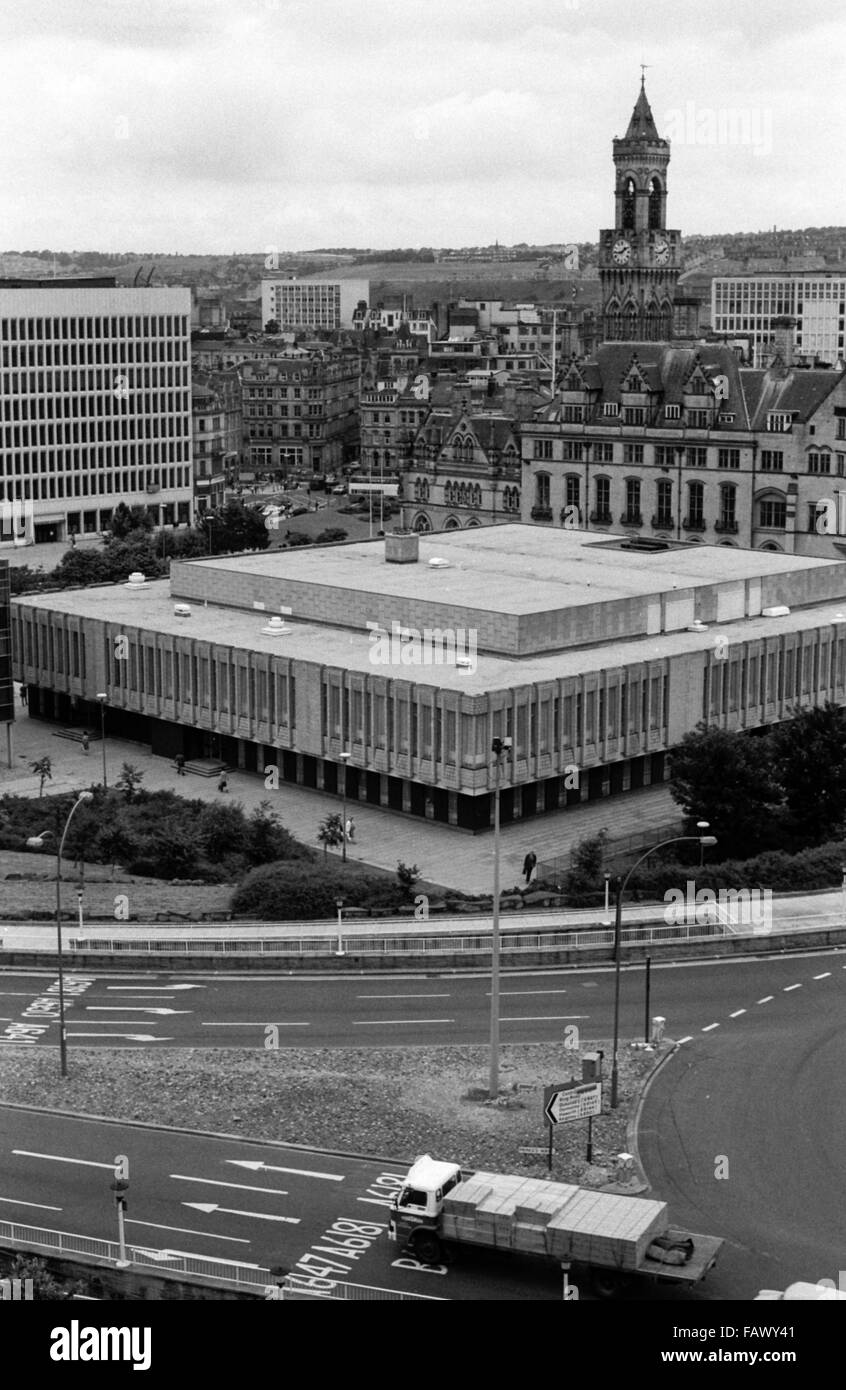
<point>221,125</point>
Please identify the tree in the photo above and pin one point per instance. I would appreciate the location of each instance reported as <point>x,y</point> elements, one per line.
<point>126,519</point>
<point>44,1284</point>
<point>43,769</point>
<point>809,758</point>
<point>114,844</point>
<point>331,832</point>
<point>727,779</point>
<point>272,326</point>
<point>129,781</point>
<point>587,857</point>
<point>222,831</point>
<point>407,876</point>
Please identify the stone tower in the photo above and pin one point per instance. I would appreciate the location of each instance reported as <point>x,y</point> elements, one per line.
<point>639,259</point>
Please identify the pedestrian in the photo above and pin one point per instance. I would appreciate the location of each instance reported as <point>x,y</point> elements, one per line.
<point>86,742</point>
<point>180,764</point>
<point>24,694</point>
<point>351,830</point>
<point>223,784</point>
<point>530,867</point>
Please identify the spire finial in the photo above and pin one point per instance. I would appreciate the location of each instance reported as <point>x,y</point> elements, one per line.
<point>643,68</point>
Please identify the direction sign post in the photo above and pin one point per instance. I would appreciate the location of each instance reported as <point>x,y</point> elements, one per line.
<point>568,1101</point>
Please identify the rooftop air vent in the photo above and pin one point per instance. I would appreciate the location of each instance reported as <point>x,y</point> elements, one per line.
<point>697,626</point>
<point>780,610</point>
<point>437,562</point>
<point>182,610</point>
<point>276,628</point>
<point>136,580</point>
<point>839,618</point>
<point>465,663</point>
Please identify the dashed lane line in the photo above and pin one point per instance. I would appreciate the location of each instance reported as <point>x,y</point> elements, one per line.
<point>737,1013</point>
<point>788,988</point>
<point>689,1038</point>
<point>386,1022</point>
<point>767,999</point>
<point>402,996</point>
<point>825,975</point>
<point>709,1026</point>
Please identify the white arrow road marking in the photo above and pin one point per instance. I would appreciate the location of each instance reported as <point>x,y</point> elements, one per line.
<point>42,1206</point>
<point>63,1158</point>
<point>183,1230</point>
<point>209,1207</point>
<point>255,1165</point>
<point>130,1009</point>
<point>215,1182</point>
<point>192,1254</point>
<point>155,989</point>
<point>130,1037</point>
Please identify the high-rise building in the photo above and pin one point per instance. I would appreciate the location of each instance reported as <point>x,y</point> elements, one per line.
<point>639,259</point>
<point>754,304</point>
<point>324,304</point>
<point>94,405</point>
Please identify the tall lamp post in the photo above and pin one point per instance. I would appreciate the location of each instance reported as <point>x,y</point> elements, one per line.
<point>702,825</point>
<point>36,842</point>
<point>339,903</point>
<point>345,757</point>
<point>702,840</point>
<point>498,747</point>
<point>102,697</point>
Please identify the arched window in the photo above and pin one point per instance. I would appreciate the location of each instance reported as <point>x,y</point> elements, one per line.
<point>655,193</point>
<point>452,524</point>
<point>421,522</point>
<point>629,204</point>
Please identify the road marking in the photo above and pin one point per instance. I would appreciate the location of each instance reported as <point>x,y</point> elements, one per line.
<point>383,1022</point>
<point>130,1037</point>
<point>788,988</point>
<point>62,1158</point>
<point>170,1254</point>
<point>737,1013</point>
<point>129,1009</point>
<point>689,1038</point>
<point>515,992</point>
<point>708,1027</point>
<point>209,1207</point>
<point>114,1023</point>
<point>402,996</point>
<point>263,1024</point>
<point>767,999</point>
<point>255,1165</point>
<point>824,975</point>
<point>155,989</point>
<point>545,1018</point>
<point>42,1206</point>
<point>184,1231</point>
<point>216,1182</point>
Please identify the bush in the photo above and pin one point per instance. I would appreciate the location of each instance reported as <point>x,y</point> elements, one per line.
<point>290,892</point>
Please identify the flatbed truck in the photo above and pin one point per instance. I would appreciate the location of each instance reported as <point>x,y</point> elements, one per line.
<point>615,1236</point>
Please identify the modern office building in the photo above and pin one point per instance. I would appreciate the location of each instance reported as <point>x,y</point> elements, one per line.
<point>753,303</point>
<point>94,404</point>
<point>413,653</point>
<point>316,303</point>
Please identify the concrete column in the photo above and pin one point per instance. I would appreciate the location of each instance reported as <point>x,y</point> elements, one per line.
<point>452,808</point>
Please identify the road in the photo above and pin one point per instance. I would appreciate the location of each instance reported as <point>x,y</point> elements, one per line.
<point>205,1010</point>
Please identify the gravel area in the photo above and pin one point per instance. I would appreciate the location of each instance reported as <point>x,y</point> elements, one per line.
<point>389,1102</point>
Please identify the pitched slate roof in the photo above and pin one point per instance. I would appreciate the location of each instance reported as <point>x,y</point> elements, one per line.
<point>642,126</point>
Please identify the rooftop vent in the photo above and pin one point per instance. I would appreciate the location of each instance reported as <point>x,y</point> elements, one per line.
<point>402,548</point>
<point>182,610</point>
<point>276,628</point>
<point>437,562</point>
<point>464,662</point>
<point>839,618</point>
<point>697,626</point>
<point>644,543</point>
<point>136,580</point>
<point>779,611</point>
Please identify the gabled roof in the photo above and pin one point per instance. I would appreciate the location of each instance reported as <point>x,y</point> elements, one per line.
<point>665,367</point>
<point>800,392</point>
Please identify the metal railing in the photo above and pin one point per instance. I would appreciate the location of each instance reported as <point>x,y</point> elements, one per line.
<point>355,1293</point>
<point>551,870</point>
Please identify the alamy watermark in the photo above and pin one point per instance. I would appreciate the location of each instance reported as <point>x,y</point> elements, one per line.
<point>428,646</point>
<point>750,126</point>
<point>735,907</point>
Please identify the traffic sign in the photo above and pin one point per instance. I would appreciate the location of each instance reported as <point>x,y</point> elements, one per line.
<point>573,1100</point>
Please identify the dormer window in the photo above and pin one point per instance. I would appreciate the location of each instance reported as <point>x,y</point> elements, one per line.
<point>672,412</point>
<point>779,421</point>
<point>610,408</point>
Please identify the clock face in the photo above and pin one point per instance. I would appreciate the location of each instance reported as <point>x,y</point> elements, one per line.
<point>661,249</point>
<point>621,251</point>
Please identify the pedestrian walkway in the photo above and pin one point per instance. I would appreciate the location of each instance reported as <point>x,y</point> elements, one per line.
<point>383,838</point>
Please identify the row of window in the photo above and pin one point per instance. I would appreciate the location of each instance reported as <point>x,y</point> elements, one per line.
<point>93,431</point>
<point>634,490</point>
<point>76,327</point>
<point>94,484</point>
<point>788,674</point>
<point>820,460</point>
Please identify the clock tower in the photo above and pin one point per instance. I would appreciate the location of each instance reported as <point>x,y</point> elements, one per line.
<point>639,259</point>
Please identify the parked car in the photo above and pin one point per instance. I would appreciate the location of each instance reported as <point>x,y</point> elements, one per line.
<point>340,488</point>
<point>298,510</point>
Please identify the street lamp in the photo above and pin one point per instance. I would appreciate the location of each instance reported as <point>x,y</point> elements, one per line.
<point>843,890</point>
<point>498,747</point>
<point>36,842</point>
<point>79,911</point>
<point>102,698</point>
<point>702,825</point>
<point>606,920</point>
<point>345,757</point>
<point>339,903</point>
<point>621,888</point>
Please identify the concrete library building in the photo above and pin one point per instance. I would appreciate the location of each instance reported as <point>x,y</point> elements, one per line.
<point>393,664</point>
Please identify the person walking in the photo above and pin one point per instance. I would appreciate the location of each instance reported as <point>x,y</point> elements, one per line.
<point>351,830</point>
<point>223,784</point>
<point>24,694</point>
<point>86,742</point>
<point>530,867</point>
<point>180,764</point>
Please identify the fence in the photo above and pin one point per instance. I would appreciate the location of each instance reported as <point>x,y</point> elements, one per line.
<point>553,870</point>
<point>352,1293</point>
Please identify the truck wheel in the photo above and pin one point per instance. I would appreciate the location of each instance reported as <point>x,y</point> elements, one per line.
<point>608,1283</point>
<point>427,1248</point>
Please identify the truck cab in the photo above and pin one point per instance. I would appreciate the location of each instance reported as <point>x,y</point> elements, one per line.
<point>416,1208</point>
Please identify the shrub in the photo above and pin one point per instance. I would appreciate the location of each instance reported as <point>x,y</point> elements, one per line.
<point>288,892</point>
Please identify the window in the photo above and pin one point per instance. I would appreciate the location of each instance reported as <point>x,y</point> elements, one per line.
<point>695,505</point>
<point>634,415</point>
<point>573,451</point>
<point>819,462</point>
<point>603,453</point>
<point>664,455</point>
<point>575,414</point>
<point>664,496</point>
<point>728,458</point>
<point>542,491</point>
<point>772,461</point>
<point>697,419</point>
<point>543,448</point>
<point>602,494</point>
<point>632,453</point>
<point>696,457</point>
<point>779,421</point>
<point>672,412</point>
<point>610,408</point>
<point>774,514</point>
<point>572,490</point>
<point>632,515</point>
<point>728,503</point>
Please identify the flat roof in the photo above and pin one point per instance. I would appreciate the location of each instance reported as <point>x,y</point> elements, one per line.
<point>515,569</point>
